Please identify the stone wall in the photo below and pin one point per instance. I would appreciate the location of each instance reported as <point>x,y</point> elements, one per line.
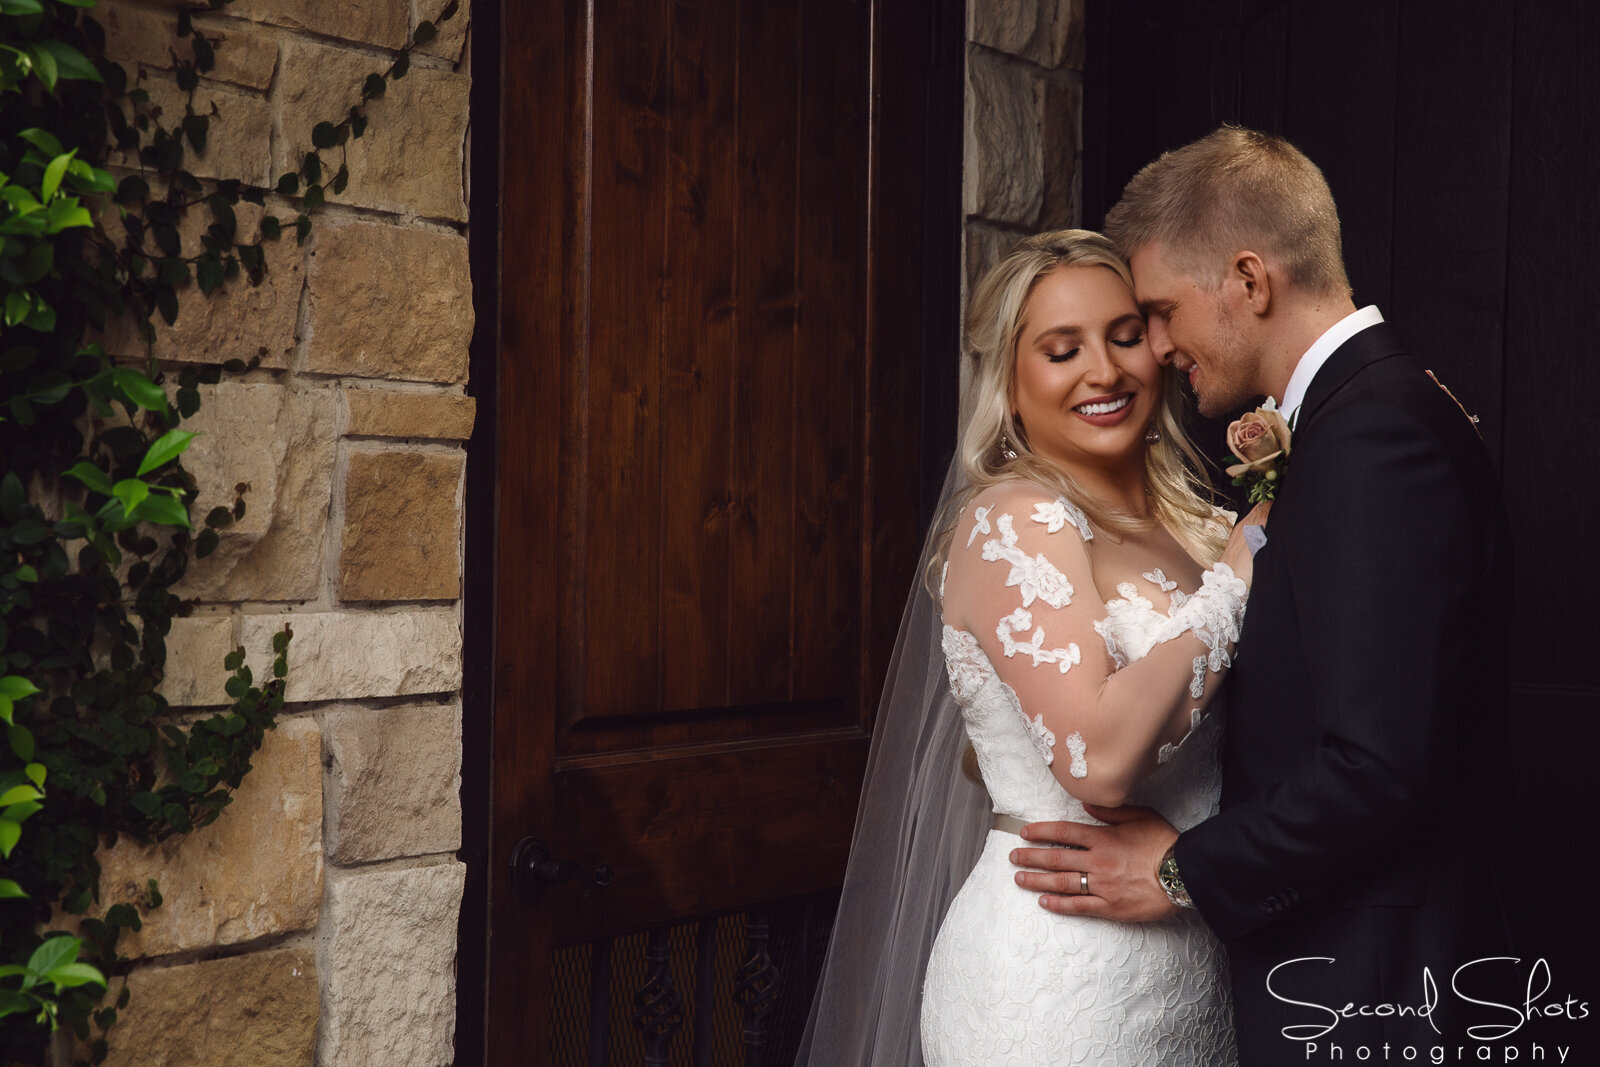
<point>315,921</point>
<point>1023,118</point>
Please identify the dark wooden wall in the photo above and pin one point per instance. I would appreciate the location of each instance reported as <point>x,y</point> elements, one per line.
<point>1462,142</point>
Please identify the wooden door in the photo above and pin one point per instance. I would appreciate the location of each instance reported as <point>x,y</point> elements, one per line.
<point>726,375</point>
<point>1462,145</point>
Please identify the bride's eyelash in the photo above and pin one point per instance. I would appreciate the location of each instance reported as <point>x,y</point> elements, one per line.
<point>1131,342</point>
<point>1061,357</point>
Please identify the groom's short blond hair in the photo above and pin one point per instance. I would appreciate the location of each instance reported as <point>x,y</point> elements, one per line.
<point>1234,190</point>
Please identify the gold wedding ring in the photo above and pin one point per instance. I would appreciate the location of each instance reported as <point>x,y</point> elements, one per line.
<point>1083,883</point>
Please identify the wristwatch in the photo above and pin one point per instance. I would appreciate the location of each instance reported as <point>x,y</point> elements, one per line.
<point>1171,881</point>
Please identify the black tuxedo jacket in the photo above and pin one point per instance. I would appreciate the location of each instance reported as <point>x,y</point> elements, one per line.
<point>1366,737</point>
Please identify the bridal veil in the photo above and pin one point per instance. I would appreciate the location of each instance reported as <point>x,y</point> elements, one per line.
<point>919,830</point>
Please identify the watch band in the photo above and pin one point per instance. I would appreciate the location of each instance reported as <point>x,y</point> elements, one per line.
<point>1171,881</point>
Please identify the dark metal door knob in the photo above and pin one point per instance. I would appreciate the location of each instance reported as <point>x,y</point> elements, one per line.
<point>532,870</point>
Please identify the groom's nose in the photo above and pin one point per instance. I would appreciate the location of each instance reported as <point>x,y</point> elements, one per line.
<point>1160,340</point>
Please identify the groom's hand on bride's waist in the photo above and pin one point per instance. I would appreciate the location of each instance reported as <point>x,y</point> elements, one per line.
<point>1116,863</point>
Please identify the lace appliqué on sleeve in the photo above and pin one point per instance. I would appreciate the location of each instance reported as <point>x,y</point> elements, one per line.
<point>1213,613</point>
<point>1156,576</point>
<point>1018,621</point>
<point>980,524</point>
<point>1058,512</point>
<point>1036,576</point>
<point>964,661</point>
<point>1079,767</point>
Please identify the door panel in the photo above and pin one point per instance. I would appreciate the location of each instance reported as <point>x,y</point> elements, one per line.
<point>718,331</point>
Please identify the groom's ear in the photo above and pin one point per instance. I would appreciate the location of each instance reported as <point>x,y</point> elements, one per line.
<point>1249,273</point>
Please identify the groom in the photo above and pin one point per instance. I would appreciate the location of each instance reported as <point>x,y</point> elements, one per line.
<point>1349,868</point>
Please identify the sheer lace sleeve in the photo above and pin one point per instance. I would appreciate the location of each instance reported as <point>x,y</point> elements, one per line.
<point>1112,701</point>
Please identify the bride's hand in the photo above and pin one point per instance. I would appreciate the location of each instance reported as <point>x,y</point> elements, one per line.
<point>1237,555</point>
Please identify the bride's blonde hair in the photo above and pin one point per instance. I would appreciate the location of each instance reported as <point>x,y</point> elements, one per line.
<point>993,447</point>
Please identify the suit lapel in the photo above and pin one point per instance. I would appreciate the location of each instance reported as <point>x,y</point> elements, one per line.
<point>1377,342</point>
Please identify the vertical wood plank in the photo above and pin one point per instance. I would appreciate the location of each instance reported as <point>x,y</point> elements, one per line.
<point>1551,323</point>
<point>762,414</point>
<point>1339,110</point>
<point>625,276</point>
<point>702,209</point>
<point>1263,58</point>
<point>1451,189</point>
<point>830,355</point>
<point>543,38</point>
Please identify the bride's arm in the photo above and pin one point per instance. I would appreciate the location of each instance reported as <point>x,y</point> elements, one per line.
<point>1019,580</point>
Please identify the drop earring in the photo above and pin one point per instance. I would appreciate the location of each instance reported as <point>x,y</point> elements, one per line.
<point>1152,434</point>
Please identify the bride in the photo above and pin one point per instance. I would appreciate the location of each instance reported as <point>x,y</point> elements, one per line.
<point>1082,598</point>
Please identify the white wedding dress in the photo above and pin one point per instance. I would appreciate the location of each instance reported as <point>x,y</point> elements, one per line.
<point>1009,984</point>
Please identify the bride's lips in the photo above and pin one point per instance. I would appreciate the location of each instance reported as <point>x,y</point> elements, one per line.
<point>1106,418</point>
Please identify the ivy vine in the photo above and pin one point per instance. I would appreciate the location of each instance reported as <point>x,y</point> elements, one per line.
<point>95,504</point>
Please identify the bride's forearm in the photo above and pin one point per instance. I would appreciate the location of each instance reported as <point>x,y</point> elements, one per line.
<point>1142,713</point>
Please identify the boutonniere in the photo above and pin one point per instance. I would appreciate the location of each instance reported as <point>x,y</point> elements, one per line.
<point>1259,443</point>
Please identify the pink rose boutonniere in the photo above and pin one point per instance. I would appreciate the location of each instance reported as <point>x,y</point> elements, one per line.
<point>1259,443</point>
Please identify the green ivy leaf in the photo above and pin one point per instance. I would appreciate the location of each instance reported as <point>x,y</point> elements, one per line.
<point>53,175</point>
<point>43,140</point>
<point>164,449</point>
<point>196,127</point>
<point>373,86</point>
<point>53,952</point>
<point>323,135</point>
<point>139,389</point>
<point>10,834</point>
<point>164,510</point>
<point>19,793</point>
<point>425,33</point>
<point>132,492</point>
<point>44,65</point>
<point>16,687</point>
<point>10,890</point>
<point>21,739</point>
<point>71,63</point>
<point>90,475</point>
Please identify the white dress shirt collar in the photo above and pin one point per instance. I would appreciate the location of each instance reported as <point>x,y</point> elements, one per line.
<point>1323,347</point>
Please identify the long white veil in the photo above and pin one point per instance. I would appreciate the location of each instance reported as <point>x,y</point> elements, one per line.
<point>919,830</point>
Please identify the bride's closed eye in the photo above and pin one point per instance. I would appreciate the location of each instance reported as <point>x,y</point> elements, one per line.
<point>1061,357</point>
<point>1128,342</point>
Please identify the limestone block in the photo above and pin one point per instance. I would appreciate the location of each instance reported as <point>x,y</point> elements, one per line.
<point>1003,177</point>
<point>349,655</point>
<point>402,524</point>
<point>1036,30</point>
<point>1062,115</point>
<point>394,782</point>
<point>388,980</point>
<point>452,38</point>
<point>237,321</point>
<point>410,159</point>
<point>136,35</point>
<point>379,22</point>
<point>255,1010</point>
<point>388,302</point>
<point>256,871</point>
<point>986,245</point>
<point>196,647</point>
<point>280,440</point>
<point>387,413</point>
<point>238,138</point>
